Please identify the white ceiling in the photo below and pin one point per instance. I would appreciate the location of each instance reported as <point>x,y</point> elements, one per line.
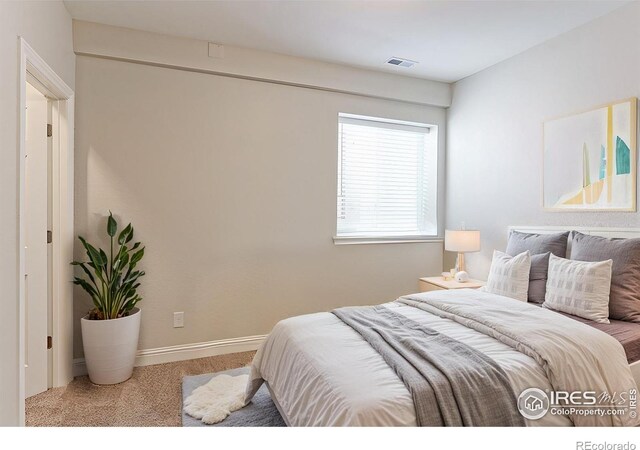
<point>449,39</point>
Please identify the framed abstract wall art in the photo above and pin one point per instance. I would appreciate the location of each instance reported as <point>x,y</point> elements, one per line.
<point>590,159</point>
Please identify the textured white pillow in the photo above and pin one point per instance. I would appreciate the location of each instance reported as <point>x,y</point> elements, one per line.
<point>509,275</point>
<point>579,288</point>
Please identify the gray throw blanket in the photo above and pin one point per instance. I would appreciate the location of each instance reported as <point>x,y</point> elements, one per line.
<point>451,383</point>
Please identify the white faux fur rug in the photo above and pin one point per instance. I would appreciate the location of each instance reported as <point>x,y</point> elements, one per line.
<point>214,401</point>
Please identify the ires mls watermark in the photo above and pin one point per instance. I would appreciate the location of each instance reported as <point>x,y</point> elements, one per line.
<point>534,403</point>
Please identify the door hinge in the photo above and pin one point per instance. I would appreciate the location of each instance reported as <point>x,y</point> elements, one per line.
<point>49,236</point>
<point>49,130</point>
<point>49,342</point>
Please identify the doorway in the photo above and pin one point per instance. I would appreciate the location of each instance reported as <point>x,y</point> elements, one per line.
<point>37,163</point>
<point>45,244</point>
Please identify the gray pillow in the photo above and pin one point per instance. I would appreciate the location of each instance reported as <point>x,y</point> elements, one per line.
<point>538,243</point>
<point>624,301</point>
<point>538,277</point>
<point>540,246</point>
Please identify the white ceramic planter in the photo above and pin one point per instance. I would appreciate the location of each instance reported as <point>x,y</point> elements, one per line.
<point>110,347</point>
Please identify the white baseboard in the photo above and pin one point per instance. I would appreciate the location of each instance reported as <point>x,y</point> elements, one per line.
<point>187,351</point>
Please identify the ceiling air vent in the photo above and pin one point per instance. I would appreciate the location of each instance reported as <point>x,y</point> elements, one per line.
<point>401,62</point>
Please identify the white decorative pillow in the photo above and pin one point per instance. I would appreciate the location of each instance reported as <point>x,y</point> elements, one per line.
<point>579,288</point>
<point>509,275</point>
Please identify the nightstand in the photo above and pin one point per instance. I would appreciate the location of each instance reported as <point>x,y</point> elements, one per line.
<point>438,284</point>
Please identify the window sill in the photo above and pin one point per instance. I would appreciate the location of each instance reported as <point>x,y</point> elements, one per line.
<point>345,240</point>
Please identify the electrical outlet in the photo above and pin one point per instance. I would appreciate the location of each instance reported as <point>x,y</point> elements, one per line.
<point>178,320</point>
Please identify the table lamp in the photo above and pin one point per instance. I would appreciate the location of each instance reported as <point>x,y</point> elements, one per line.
<point>461,241</point>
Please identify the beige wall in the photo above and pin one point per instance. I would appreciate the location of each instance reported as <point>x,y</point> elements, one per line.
<point>46,26</point>
<point>169,51</point>
<point>494,148</point>
<point>231,184</point>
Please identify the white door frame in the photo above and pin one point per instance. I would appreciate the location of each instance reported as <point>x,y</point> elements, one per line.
<point>36,71</point>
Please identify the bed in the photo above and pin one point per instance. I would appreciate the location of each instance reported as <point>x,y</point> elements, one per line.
<point>322,372</point>
<point>627,333</point>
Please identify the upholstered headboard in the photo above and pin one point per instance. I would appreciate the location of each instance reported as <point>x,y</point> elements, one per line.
<point>594,231</point>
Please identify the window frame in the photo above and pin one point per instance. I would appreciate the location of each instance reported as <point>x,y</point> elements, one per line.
<point>389,238</point>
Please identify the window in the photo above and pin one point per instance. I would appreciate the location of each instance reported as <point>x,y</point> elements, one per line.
<point>387,178</point>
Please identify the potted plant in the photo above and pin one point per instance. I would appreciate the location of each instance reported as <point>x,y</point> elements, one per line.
<point>110,330</point>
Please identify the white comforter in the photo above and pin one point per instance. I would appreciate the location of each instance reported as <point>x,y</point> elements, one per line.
<point>323,373</point>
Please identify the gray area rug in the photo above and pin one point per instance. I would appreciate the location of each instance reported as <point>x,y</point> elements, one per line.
<point>261,412</point>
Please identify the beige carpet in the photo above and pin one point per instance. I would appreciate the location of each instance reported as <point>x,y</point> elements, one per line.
<point>152,397</point>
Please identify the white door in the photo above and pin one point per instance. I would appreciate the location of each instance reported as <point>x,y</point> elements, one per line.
<point>36,257</point>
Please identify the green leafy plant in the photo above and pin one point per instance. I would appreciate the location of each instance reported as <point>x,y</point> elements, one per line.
<point>112,280</point>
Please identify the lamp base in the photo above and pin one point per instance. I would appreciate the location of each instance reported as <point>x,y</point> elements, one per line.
<point>460,266</point>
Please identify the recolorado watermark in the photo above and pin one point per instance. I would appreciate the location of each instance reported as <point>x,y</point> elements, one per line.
<point>589,445</point>
<point>534,403</point>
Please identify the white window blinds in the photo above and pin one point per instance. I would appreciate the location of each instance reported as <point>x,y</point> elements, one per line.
<point>387,178</point>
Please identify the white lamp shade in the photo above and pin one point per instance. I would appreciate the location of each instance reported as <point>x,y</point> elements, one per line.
<point>462,241</point>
